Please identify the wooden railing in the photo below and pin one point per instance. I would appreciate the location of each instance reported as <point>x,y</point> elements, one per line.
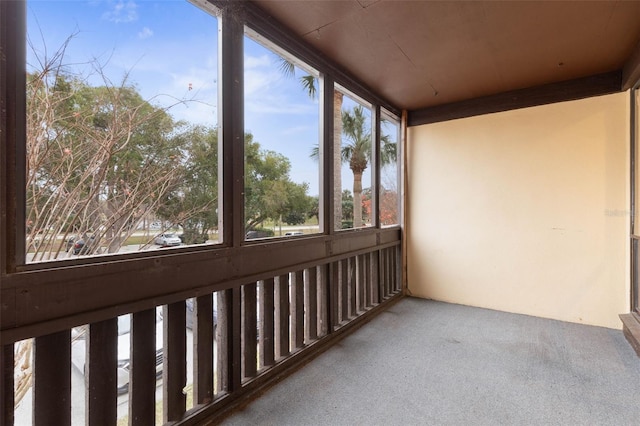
<point>218,344</point>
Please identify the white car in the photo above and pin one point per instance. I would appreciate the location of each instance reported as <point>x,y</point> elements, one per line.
<point>292,233</point>
<point>168,240</point>
<point>79,345</point>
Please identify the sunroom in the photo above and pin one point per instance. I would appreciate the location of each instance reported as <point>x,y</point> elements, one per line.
<point>199,198</point>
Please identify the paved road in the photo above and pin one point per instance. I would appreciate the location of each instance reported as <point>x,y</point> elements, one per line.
<point>145,247</point>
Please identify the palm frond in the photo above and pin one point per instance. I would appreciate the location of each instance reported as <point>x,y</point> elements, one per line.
<point>309,84</point>
<point>388,150</point>
<point>315,152</point>
<point>287,68</point>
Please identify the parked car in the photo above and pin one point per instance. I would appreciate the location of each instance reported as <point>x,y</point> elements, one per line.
<point>167,240</point>
<point>78,349</point>
<point>70,242</point>
<point>292,233</point>
<point>250,235</point>
<point>81,245</point>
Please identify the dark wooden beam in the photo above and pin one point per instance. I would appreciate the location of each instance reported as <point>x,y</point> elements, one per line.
<point>249,334</point>
<point>631,69</point>
<point>203,336</point>
<point>106,289</point>
<point>231,159</point>
<point>142,385</point>
<point>297,309</point>
<point>52,379</point>
<point>174,369</point>
<point>596,85</point>
<point>12,134</point>
<point>100,373</point>
<point>7,394</point>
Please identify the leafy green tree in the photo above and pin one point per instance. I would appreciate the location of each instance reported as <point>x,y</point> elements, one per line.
<point>347,209</point>
<point>269,192</point>
<point>99,158</point>
<point>314,208</point>
<point>298,205</point>
<point>194,203</point>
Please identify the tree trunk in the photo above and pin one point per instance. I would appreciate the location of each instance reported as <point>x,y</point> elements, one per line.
<point>337,158</point>
<point>357,199</point>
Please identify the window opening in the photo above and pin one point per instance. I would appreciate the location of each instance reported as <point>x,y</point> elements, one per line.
<point>282,150</point>
<point>388,192</point>
<point>353,176</point>
<point>121,128</point>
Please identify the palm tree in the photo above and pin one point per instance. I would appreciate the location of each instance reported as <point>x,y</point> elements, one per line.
<point>357,153</point>
<point>308,83</point>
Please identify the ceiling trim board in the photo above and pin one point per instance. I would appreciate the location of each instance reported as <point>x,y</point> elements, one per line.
<point>596,85</point>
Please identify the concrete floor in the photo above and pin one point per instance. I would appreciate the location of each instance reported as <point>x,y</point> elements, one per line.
<point>424,362</point>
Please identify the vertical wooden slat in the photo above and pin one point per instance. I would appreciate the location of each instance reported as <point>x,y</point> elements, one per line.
<point>389,271</point>
<point>375,277</point>
<point>392,270</point>
<point>389,259</point>
<point>311,305</point>
<point>352,287</point>
<point>297,310</point>
<point>398,252</point>
<point>222,340</point>
<point>228,335</point>
<point>174,372</point>
<point>235,335</point>
<point>52,379</point>
<point>249,335</point>
<point>282,318</point>
<point>7,396</point>
<point>267,356</point>
<point>142,384</point>
<point>343,295</point>
<point>362,281</point>
<point>333,283</point>
<point>387,279</point>
<point>203,335</point>
<point>382,276</point>
<point>368,281</point>
<point>323,300</point>
<point>100,373</point>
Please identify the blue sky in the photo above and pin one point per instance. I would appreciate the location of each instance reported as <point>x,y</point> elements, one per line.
<point>169,51</point>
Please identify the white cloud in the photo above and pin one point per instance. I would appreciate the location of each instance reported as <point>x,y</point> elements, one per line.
<point>145,33</point>
<point>297,130</point>
<point>121,11</point>
<point>251,62</point>
<point>256,82</point>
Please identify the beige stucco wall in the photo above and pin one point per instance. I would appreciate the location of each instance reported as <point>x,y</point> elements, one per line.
<point>524,211</point>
